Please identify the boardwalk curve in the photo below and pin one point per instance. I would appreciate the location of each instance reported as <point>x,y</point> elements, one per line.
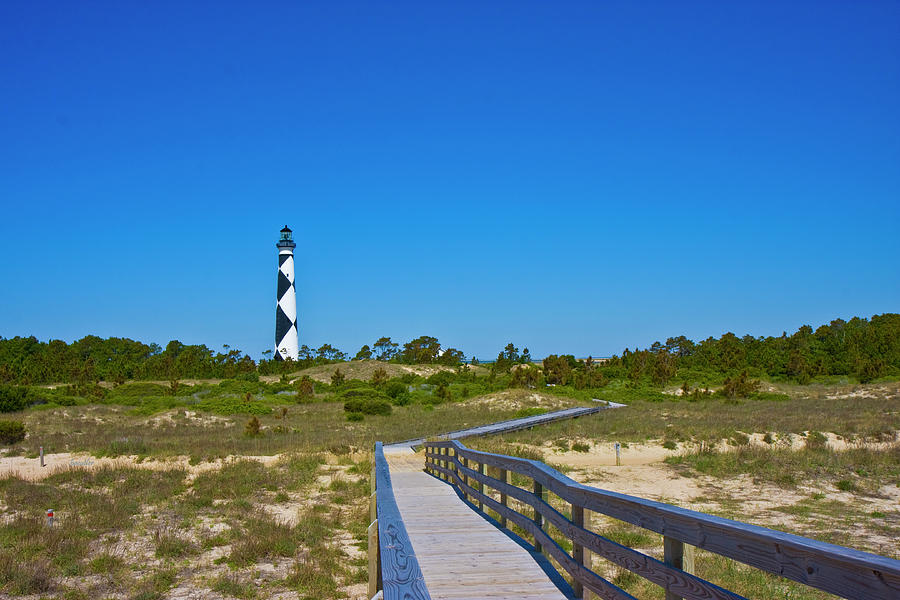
<point>510,425</point>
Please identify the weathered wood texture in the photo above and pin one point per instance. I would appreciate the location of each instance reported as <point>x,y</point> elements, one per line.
<point>461,555</point>
<point>401,576</point>
<point>841,571</point>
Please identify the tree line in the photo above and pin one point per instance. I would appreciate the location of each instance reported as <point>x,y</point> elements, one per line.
<point>862,348</point>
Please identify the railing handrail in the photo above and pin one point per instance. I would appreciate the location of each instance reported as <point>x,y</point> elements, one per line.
<point>400,573</point>
<point>503,426</point>
<point>835,569</point>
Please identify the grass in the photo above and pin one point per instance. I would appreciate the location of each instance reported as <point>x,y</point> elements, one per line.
<point>170,545</point>
<point>234,585</point>
<point>107,517</point>
<point>365,369</point>
<point>260,537</point>
<point>848,470</point>
<point>715,419</point>
<point>111,430</point>
<point>135,532</point>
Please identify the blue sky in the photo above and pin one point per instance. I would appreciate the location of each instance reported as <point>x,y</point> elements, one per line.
<point>573,177</point>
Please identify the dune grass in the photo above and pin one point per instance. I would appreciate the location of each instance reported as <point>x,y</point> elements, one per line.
<point>111,430</point>
<point>855,418</point>
<point>144,531</point>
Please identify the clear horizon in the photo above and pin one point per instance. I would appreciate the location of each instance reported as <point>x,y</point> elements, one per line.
<point>575,178</point>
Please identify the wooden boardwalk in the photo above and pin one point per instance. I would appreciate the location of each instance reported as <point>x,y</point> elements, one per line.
<point>510,425</point>
<point>460,554</point>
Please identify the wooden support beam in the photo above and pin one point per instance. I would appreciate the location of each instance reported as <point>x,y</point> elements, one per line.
<point>480,486</point>
<point>538,519</point>
<point>374,559</point>
<point>577,549</point>
<point>504,477</point>
<point>679,555</point>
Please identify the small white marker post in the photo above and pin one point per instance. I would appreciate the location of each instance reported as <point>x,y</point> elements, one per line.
<point>618,458</point>
<point>42,456</point>
<point>49,517</point>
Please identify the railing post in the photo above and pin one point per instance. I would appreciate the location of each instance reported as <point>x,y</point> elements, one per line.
<point>504,477</point>
<point>581,554</point>
<point>374,559</point>
<point>541,494</point>
<point>480,487</point>
<point>372,531</point>
<point>680,555</point>
<point>443,462</point>
<point>452,465</point>
<point>465,478</point>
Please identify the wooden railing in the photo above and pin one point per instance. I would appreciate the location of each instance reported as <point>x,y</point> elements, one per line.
<point>393,568</point>
<point>842,571</point>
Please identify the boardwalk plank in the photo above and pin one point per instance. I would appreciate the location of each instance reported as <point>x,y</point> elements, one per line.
<point>460,554</point>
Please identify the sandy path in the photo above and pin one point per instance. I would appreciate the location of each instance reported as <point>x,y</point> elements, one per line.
<point>31,470</point>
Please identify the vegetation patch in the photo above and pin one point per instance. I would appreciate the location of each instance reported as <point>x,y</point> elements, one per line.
<point>848,470</point>
<point>11,432</point>
<point>367,402</point>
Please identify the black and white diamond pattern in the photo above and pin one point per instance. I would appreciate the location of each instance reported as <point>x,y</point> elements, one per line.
<point>286,335</point>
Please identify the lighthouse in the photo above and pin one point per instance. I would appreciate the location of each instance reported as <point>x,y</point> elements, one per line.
<point>286,336</point>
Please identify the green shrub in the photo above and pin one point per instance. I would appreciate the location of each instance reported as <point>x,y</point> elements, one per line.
<point>254,377</point>
<point>136,390</point>
<point>11,432</point>
<point>441,377</point>
<point>404,399</point>
<point>355,416</point>
<point>442,394</point>
<point>367,401</point>
<point>233,406</point>
<point>368,406</point>
<point>66,401</point>
<point>739,386</point>
<point>237,386</point>
<point>579,447</point>
<point>845,485</point>
<point>306,388</point>
<point>394,389</point>
<point>669,445</point>
<point>13,398</point>
<point>379,377</point>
